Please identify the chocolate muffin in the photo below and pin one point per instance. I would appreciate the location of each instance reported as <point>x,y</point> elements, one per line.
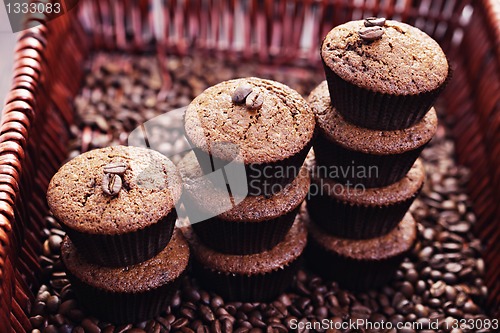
<point>354,155</point>
<point>386,78</point>
<point>239,225</point>
<point>359,264</point>
<point>359,213</point>
<point>127,294</point>
<point>263,124</point>
<point>117,203</point>
<point>249,278</point>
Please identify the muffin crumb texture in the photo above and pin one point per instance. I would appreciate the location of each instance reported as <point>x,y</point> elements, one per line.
<point>404,61</point>
<point>151,185</point>
<point>281,127</point>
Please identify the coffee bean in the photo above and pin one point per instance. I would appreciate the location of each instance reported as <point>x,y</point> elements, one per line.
<point>227,326</point>
<point>242,330</point>
<point>53,304</point>
<point>111,184</point>
<point>424,323</point>
<point>37,321</point>
<point>449,277</point>
<point>65,328</point>
<point>204,329</point>
<point>411,276</point>
<point>188,313</point>
<point>256,322</point>
<point>407,289</point>
<point>421,311</point>
<point>245,323</point>
<point>370,34</point>
<point>90,326</point>
<point>321,312</point>
<point>116,168</point>
<point>50,329</point>
<point>207,313</point>
<point>389,310</point>
<point>420,287</point>
<point>241,92</point>
<point>55,243</point>
<point>438,288</point>
<point>462,227</point>
<point>254,100</point>
<point>453,267</point>
<point>470,307</point>
<point>216,302</point>
<point>280,328</point>
<point>361,311</point>
<point>404,307</point>
<point>181,322</point>
<point>374,21</point>
<point>434,302</point>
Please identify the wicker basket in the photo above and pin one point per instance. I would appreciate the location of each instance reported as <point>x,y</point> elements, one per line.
<point>48,72</point>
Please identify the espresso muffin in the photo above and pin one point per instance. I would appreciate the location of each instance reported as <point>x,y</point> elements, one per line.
<point>249,278</point>
<point>127,294</point>
<point>385,79</point>
<point>263,124</point>
<point>117,203</point>
<point>360,264</point>
<point>355,155</point>
<point>236,224</point>
<point>360,213</point>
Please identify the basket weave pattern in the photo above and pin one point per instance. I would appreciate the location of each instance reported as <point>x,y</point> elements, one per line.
<point>38,113</point>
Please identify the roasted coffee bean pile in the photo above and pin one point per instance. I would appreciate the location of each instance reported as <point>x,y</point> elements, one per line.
<point>441,280</point>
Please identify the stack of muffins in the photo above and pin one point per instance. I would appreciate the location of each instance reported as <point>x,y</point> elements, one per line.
<point>374,116</point>
<point>122,254</point>
<point>246,247</point>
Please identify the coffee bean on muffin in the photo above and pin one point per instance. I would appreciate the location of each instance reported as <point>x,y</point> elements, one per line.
<point>270,134</point>
<point>117,204</point>
<point>383,74</point>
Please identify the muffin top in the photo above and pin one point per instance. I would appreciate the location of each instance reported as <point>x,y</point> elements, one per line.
<point>151,186</point>
<point>400,191</point>
<point>278,125</point>
<point>396,242</point>
<point>209,198</point>
<point>163,268</point>
<point>278,257</point>
<point>334,127</point>
<point>404,61</point>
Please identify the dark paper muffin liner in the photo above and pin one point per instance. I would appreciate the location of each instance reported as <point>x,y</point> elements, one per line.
<point>369,109</point>
<point>124,307</point>
<point>355,221</point>
<point>234,237</point>
<point>247,288</point>
<point>124,249</point>
<point>262,179</point>
<point>353,274</point>
<point>379,170</point>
